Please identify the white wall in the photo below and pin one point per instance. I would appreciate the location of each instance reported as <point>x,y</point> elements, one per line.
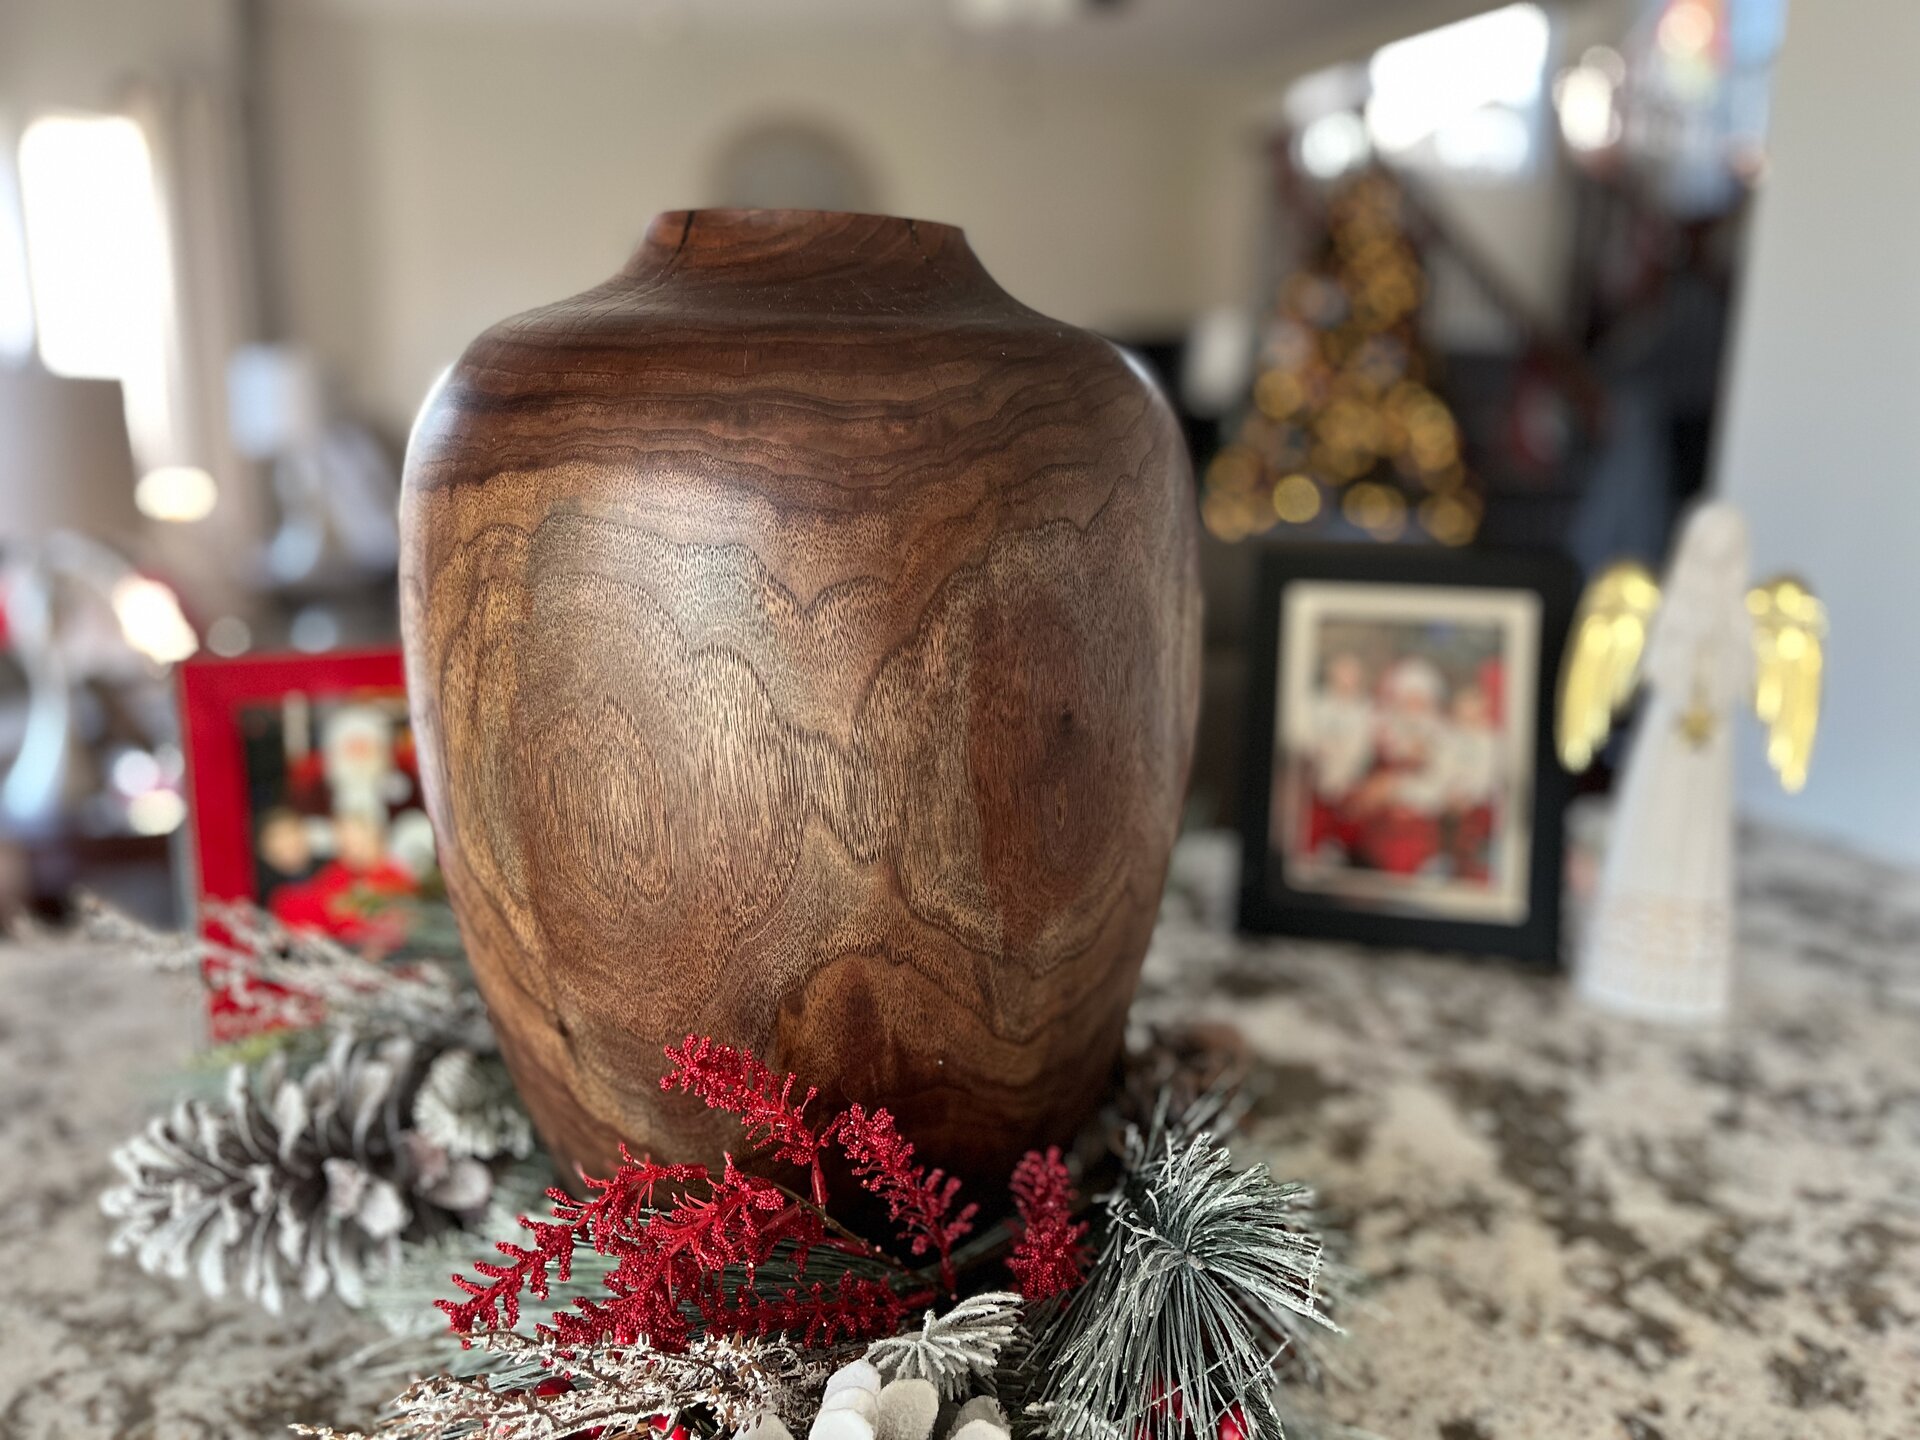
<point>432,175</point>
<point>432,172</point>
<point>78,53</point>
<point>1822,443</point>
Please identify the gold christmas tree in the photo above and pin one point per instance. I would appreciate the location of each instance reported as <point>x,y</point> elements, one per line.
<point>1342,422</point>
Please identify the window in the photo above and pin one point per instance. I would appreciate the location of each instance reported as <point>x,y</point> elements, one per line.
<point>1464,99</point>
<point>96,252</point>
<point>99,276</point>
<point>1466,95</point>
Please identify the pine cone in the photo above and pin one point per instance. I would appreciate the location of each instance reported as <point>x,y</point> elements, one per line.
<point>468,1107</point>
<point>300,1182</point>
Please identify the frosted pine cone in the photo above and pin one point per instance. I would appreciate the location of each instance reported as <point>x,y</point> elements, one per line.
<point>468,1107</point>
<point>297,1184</point>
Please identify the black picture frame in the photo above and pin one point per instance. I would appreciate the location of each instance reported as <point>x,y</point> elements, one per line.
<point>1272,901</point>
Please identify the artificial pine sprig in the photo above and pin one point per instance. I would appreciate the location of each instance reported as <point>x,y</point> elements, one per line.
<point>919,1200</point>
<point>952,1351</point>
<point>672,1266</point>
<point>689,1250</point>
<point>735,1081</point>
<point>596,1222</point>
<point>1206,1279</point>
<point>278,977</point>
<point>854,1307</point>
<point>613,1391</point>
<point>689,1247</point>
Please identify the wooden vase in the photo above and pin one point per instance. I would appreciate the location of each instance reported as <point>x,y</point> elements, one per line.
<point>803,639</point>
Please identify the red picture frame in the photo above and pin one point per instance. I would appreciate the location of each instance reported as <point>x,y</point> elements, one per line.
<point>213,695</point>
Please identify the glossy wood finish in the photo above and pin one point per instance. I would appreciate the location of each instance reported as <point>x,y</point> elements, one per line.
<point>803,639</point>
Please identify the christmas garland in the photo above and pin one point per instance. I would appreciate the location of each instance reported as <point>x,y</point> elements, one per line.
<point>370,1138</point>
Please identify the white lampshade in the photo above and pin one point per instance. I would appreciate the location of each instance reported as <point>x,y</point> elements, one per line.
<point>64,459</point>
<point>275,400</point>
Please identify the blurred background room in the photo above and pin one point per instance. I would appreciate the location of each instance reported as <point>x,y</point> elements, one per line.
<point>1551,376</point>
<point>1583,260</point>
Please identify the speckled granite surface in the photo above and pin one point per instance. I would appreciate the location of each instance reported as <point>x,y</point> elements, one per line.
<point>1577,1227</point>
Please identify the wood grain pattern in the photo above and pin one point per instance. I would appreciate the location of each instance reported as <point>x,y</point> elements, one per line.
<point>803,639</point>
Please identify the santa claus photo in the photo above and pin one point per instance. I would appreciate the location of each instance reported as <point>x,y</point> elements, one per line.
<point>1400,769</point>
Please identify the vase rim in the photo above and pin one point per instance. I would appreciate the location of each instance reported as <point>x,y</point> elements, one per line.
<point>689,235</point>
<point>789,217</point>
<point>846,261</point>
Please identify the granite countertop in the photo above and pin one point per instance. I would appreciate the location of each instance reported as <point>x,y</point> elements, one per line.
<point>1575,1227</point>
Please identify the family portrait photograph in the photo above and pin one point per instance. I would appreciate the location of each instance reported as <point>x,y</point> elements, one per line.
<point>1404,753</point>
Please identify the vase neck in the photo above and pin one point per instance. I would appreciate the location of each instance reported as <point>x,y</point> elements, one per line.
<point>815,259</point>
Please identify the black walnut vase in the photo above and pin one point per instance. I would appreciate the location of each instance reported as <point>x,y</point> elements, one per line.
<point>803,641</point>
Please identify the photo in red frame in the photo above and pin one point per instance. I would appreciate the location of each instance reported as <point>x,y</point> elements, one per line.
<point>304,795</point>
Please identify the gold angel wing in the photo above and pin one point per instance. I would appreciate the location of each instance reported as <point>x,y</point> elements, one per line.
<point>1789,644</point>
<point>1602,664</point>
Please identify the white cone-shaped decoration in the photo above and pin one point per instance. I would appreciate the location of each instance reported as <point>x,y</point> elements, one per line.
<point>863,1403</point>
<point>857,1376</point>
<point>981,1407</point>
<point>908,1409</point>
<point>767,1427</point>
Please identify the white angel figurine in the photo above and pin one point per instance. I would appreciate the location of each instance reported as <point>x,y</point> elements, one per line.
<point>1659,941</point>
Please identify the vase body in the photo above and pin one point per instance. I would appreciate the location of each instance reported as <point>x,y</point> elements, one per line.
<point>803,644</point>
